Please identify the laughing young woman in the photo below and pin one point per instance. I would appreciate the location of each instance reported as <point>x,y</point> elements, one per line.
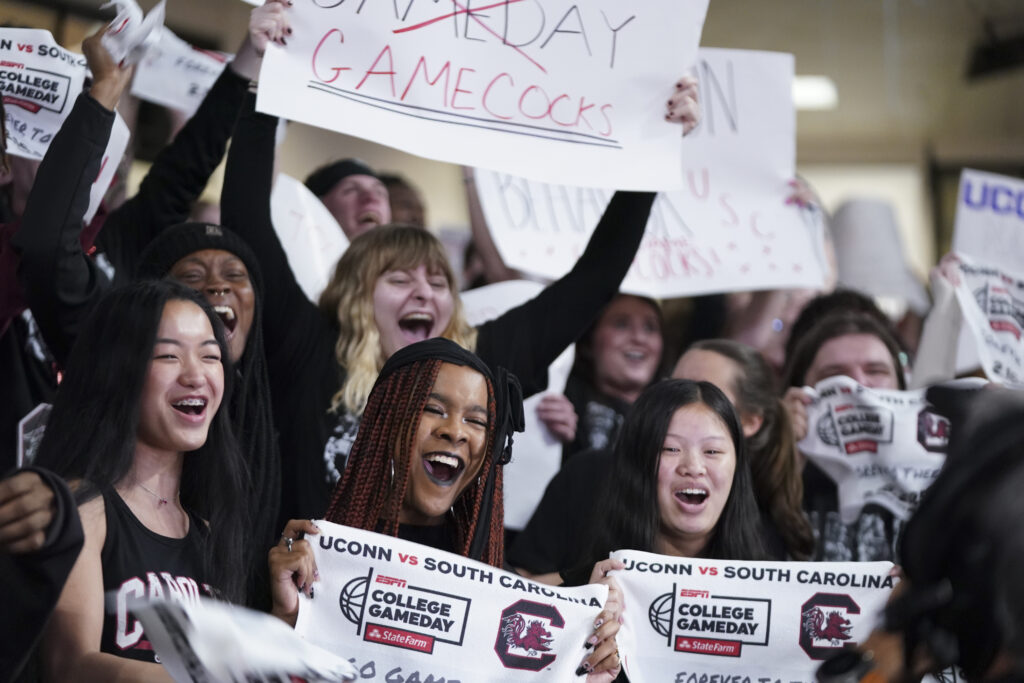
<point>392,287</point>
<point>682,480</point>
<point>427,467</point>
<point>136,427</point>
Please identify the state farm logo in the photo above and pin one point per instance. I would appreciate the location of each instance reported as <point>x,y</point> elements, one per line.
<point>825,626</point>
<point>389,611</point>
<point>855,428</point>
<point>525,638</point>
<point>698,622</point>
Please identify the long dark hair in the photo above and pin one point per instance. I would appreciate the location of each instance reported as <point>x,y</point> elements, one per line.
<point>93,428</point>
<point>372,489</point>
<point>777,480</point>
<point>631,516</point>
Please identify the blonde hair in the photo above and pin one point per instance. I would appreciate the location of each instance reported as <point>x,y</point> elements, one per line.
<point>349,297</point>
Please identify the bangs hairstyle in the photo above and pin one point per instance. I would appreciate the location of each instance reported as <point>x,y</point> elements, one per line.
<point>585,364</point>
<point>348,299</point>
<point>838,324</point>
<point>93,428</point>
<point>373,487</point>
<point>778,484</point>
<point>631,518</point>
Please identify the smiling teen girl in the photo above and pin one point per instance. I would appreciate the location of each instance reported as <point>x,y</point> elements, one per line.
<point>159,481</point>
<point>682,480</point>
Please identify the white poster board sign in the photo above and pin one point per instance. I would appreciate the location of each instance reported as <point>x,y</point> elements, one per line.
<point>696,621</point>
<point>989,228</point>
<point>214,641</point>
<point>536,454</point>
<point>728,229</point>
<point>177,75</point>
<point>555,90</point>
<point>39,81</point>
<point>880,446</point>
<point>312,239</point>
<point>409,612</point>
<point>992,302</point>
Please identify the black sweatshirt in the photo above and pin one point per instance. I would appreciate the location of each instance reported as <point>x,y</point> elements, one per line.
<point>300,340</point>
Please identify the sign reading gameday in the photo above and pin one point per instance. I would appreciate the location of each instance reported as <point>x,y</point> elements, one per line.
<point>555,90</point>
<point>405,611</point>
<point>728,228</point>
<point>879,446</point>
<point>690,620</point>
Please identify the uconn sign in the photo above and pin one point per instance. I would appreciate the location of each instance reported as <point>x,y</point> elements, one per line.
<point>981,194</point>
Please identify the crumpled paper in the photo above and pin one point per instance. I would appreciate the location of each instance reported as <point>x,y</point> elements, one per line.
<point>129,35</point>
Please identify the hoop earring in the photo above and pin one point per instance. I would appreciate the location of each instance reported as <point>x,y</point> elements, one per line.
<point>392,473</point>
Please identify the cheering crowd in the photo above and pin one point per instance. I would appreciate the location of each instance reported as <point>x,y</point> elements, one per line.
<point>204,410</point>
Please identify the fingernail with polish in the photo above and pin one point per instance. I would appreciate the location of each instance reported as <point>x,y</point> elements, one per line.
<point>580,670</point>
<point>597,624</point>
<point>592,640</point>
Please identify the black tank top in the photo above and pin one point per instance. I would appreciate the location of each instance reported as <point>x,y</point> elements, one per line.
<point>138,563</point>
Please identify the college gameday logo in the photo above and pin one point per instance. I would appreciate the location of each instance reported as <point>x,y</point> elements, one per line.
<point>698,622</point>
<point>856,428</point>
<point>525,636</point>
<point>1005,312</point>
<point>387,610</point>
<point>33,89</point>
<point>825,625</point>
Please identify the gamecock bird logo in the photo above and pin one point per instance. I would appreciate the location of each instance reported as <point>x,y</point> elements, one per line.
<point>831,626</point>
<point>535,639</point>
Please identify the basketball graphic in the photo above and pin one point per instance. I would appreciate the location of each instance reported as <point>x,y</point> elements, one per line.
<point>660,614</point>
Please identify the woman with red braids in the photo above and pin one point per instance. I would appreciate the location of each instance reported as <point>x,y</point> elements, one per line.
<point>426,467</point>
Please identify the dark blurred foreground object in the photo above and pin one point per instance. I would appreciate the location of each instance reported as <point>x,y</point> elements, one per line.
<point>962,599</point>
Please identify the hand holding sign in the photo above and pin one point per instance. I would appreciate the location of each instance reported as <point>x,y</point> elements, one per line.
<point>292,569</point>
<point>109,79</point>
<point>605,663</point>
<point>269,24</point>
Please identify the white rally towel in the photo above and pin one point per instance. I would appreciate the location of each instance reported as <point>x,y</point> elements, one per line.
<point>212,641</point>
<point>400,608</point>
<point>697,621</point>
<point>878,446</point>
<point>992,302</point>
<point>130,35</point>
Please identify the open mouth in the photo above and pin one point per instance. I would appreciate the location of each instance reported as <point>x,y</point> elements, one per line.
<point>416,326</point>
<point>443,468</point>
<point>227,316</point>
<point>635,355</point>
<point>190,406</point>
<point>692,496</point>
<point>369,219</point>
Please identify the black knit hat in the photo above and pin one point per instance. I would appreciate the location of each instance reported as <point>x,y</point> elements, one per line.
<point>326,177</point>
<point>177,242</point>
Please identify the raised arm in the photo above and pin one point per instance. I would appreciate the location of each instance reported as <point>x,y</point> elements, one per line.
<point>181,170</point>
<point>528,338</point>
<point>60,281</point>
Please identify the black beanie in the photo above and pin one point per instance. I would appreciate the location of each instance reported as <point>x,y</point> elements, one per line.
<point>326,177</point>
<point>177,242</point>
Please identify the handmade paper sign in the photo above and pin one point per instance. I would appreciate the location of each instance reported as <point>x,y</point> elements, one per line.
<point>177,75</point>
<point>555,90</point>
<point>992,302</point>
<point>728,229</point>
<point>536,454</point>
<point>696,621</point>
<point>312,239</point>
<point>879,446</point>
<point>214,641</point>
<point>405,611</point>
<point>112,155</point>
